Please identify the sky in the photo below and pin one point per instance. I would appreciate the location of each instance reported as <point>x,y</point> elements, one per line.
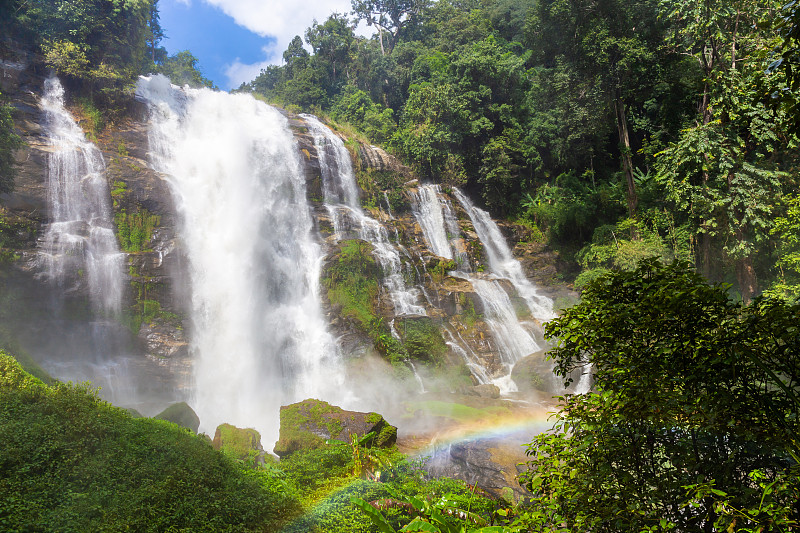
<point>234,39</point>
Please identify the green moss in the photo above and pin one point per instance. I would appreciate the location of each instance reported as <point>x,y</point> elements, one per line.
<point>422,339</point>
<point>238,443</point>
<point>134,230</point>
<point>351,279</point>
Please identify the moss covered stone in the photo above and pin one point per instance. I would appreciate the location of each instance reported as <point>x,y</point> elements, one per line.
<point>311,424</point>
<point>181,414</point>
<point>240,443</point>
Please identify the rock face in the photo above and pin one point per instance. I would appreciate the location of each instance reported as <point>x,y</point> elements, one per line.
<point>491,464</point>
<point>181,414</point>
<point>310,423</point>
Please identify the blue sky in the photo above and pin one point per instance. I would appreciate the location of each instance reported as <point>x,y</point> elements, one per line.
<point>234,39</point>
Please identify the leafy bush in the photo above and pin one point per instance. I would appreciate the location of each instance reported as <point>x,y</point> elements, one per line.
<point>72,462</point>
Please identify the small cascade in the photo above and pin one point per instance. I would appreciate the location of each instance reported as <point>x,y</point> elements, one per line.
<point>502,262</point>
<point>512,339</point>
<point>259,337</point>
<point>341,200</point>
<point>79,240</point>
<point>439,225</point>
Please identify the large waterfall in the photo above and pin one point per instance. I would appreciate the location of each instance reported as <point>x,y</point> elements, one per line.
<point>259,339</point>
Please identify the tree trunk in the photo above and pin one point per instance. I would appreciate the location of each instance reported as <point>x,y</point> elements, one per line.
<point>746,277</point>
<point>627,161</point>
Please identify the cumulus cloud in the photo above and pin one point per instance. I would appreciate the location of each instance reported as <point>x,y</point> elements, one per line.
<point>279,19</point>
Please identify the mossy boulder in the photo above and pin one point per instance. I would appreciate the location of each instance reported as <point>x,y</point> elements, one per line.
<point>311,423</point>
<point>240,443</point>
<point>181,414</point>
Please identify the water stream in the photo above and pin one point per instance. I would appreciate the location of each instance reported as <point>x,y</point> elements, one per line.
<point>259,339</point>
<point>341,199</point>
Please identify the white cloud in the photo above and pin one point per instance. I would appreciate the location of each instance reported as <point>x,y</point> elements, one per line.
<point>238,72</point>
<point>279,19</point>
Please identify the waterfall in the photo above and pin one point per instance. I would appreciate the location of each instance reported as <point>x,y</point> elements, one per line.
<point>341,200</point>
<point>502,262</point>
<point>512,339</point>
<point>79,240</point>
<point>439,225</point>
<point>259,339</point>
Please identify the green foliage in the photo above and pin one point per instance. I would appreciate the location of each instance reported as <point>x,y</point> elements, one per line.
<point>9,141</point>
<point>694,423</point>
<point>99,45</point>
<point>355,107</point>
<point>72,462</point>
<point>629,242</point>
<point>422,340</point>
<point>787,228</point>
<point>134,230</point>
<point>182,69</point>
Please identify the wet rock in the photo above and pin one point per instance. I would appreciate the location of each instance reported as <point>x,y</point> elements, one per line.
<point>310,423</point>
<point>181,414</point>
<point>491,464</point>
<point>486,390</point>
<point>533,373</point>
<point>163,340</point>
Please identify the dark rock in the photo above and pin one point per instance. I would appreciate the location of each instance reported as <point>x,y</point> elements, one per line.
<point>533,373</point>
<point>310,423</point>
<point>491,464</point>
<point>181,414</point>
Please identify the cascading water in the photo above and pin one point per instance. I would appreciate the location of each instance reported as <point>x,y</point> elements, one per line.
<point>259,339</point>
<point>439,225</point>
<point>502,262</point>
<point>512,338</point>
<point>79,256</point>
<point>341,200</point>
<point>79,237</point>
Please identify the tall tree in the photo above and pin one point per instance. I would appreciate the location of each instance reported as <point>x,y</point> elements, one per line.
<point>389,16</point>
<point>725,170</point>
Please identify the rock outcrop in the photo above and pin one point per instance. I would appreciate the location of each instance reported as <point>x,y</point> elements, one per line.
<point>241,443</point>
<point>311,423</point>
<point>181,414</point>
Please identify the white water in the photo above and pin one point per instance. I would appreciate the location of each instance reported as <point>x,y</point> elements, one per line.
<point>341,200</point>
<point>79,240</point>
<point>502,262</point>
<point>439,225</point>
<point>259,338</point>
<point>512,339</point>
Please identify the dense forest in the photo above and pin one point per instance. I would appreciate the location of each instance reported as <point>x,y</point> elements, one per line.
<point>619,129</point>
<point>654,143</point>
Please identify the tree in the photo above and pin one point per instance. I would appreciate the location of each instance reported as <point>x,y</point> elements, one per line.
<point>725,169</point>
<point>182,69</point>
<point>614,46</point>
<point>389,16</point>
<point>332,43</point>
<point>693,425</point>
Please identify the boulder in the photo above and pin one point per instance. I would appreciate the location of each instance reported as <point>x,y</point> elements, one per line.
<point>181,414</point>
<point>487,391</point>
<point>533,373</point>
<point>311,423</point>
<point>241,443</point>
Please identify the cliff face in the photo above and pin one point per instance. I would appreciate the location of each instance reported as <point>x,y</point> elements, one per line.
<point>157,296</point>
